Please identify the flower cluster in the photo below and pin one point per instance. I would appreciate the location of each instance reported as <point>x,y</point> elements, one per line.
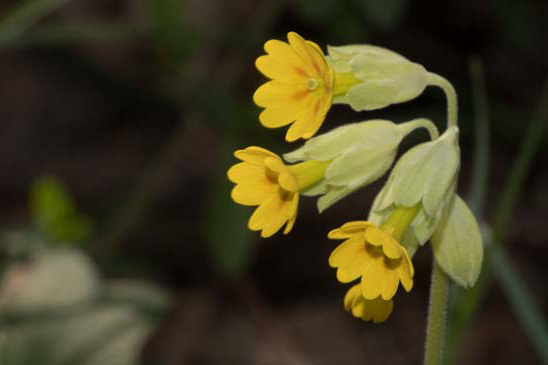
<point>418,202</point>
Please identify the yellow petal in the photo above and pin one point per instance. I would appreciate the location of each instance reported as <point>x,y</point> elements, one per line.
<point>359,308</point>
<point>301,48</point>
<point>280,69</point>
<point>315,46</point>
<point>246,172</point>
<point>375,309</point>
<point>280,94</point>
<point>377,237</point>
<point>254,155</point>
<point>392,249</point>
<point>405,273</point>
<point>390,282</point>
<point>278,217</point>
<point>372,278</point>
<point>279,116</point>
<point>408,263</point>
<point>275,164</point>
<point>292,214</point>
<point>282,52</point>
<point>348,230</point>
<point>353,269</point>
<point>316,120</point>
<point>248,194</point>
<point>303,122</point>
<point>351,263</point>
<point>263,213</point>
<point>350,295</point>
<point>288,182</point>
<point>317,57</point>
<point>380,309</point>
<point>346,251</point>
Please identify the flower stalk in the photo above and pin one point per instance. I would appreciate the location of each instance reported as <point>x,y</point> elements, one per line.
<point>437,312</point>
<point>450,94</point>
<point>439,285</point>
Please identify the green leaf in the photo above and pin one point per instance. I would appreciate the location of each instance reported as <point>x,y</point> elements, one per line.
<point>54,212</point>
<point>72,229</point>
<point>457,244</point>
<point>50,202</point>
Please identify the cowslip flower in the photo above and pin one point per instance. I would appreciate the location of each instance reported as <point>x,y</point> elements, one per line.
<point>301,87</point>
<point>373,255</point>
<point>262,179</point>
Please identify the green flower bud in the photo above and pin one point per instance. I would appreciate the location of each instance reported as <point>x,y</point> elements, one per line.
<point>457,244</point>
<point>369,77</point>
<point>424,175</point>
<point>360,153</point>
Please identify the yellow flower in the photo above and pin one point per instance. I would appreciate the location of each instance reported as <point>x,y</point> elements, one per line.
<point>301,87</point>
<point>374,255</point>
<point>263,180</point>
<point>377,310</point>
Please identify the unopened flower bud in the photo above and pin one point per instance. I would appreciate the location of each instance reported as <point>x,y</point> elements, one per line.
<point>369,77</point>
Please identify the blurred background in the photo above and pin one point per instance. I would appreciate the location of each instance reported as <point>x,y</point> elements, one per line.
<point>120,244</point>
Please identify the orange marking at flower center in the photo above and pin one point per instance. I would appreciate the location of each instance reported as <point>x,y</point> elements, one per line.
<point>300,71</point>
<point>300,95</point>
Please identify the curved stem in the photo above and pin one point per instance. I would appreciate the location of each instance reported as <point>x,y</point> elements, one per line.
<point>450,94</point>
<point>437,311</point>
<point>427,124</point>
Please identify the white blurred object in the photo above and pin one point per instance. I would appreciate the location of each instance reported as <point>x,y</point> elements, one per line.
<point>52,279</point>
<point>90,330</point>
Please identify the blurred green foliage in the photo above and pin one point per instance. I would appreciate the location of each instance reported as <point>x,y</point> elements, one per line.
<point>24,16</point>
<point>173,39</point>
<point>54,213</point>
<point>520,23</point>
<point>384,15</point>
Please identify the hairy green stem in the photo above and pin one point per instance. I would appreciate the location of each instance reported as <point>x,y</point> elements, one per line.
<point>450,94</point>
<point>437,311</point>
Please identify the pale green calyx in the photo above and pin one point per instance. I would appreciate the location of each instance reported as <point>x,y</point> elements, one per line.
<point>360,153</point>
<point>379,77</point>
<point>424,175</point>
<point>457,244</point>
